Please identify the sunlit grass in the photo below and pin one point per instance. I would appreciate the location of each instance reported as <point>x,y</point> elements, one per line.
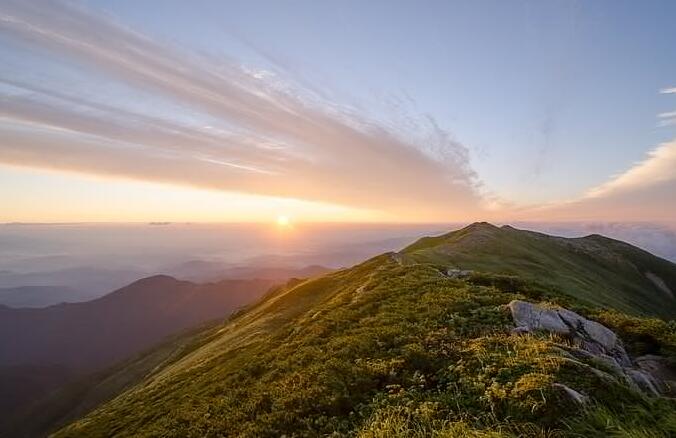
<point>383,349</point>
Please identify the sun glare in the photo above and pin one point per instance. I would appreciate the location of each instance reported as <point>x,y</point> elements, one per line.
<point>283,221</point>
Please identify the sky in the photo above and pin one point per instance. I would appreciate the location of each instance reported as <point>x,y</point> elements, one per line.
<point>395,111</point>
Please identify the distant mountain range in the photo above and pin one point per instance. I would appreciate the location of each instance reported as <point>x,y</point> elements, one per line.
<point>43,348</point>
<point>201,271</point>
<point>74,285</point>
<point>45,288</point>
<point>40,296</point>
<point>88,336</point>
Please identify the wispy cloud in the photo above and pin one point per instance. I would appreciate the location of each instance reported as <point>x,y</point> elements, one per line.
<point>643,192</point>
<point>667,119</point>
<point>273,139</point>
<point>658,167</point>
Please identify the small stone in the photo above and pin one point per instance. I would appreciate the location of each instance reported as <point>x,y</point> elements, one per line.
<point>571,393</point>
<point>458,273</point>
<point>644,381</point>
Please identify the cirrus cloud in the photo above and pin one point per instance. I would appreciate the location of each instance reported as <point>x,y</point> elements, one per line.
<point>259,134</point>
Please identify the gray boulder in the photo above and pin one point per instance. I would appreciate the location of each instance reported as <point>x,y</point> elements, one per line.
<point>561,321</point>
<point>591,336</point>
<point>530,317</point>
<point>594,343</point>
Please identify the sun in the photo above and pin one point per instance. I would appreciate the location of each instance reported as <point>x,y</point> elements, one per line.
<point>283,221</point>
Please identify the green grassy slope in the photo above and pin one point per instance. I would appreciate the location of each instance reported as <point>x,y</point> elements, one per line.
<point>593,269</point>
<point>394,347</point>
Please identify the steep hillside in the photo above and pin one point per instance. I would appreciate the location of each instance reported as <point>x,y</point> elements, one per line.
<point>43,349</point>
<point>398,347</point>
<point>87,336</point>
<point>595,270</point>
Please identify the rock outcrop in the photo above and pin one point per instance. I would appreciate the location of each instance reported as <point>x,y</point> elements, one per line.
<point>594,343</point>
<point>659,368</point>
<point>458,273</point>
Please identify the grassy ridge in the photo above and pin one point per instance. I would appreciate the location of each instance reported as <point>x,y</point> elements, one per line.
<point>594,270</point>
<point>390,347</point>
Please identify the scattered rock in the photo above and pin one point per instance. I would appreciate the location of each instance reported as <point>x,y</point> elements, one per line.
<point>396,257</point>
<point>660,369</point>
<point>458,273</point>
<point>591,336</point>
<point>571,393</point>
<point>530,317</point>
<point>595,343</point>
<point>643,380</point>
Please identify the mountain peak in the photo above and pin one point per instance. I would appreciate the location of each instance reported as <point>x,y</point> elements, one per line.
<point>148,286</point>
<point>155,280</point>
<point>159,277</point>
<point>481,226</point>
<point>585,268</point>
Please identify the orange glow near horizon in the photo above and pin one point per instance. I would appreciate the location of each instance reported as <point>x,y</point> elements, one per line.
<point>38,195</point>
